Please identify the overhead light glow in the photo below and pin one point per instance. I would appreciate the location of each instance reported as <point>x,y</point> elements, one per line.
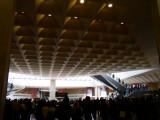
<point>110,5</point>
<point>81,1</point>
<point>75,17</point>
<point>122,23</point>
<point>49,15</point>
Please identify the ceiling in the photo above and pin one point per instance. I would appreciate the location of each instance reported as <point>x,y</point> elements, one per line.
<point>65,38</point>
<point>146,77</point>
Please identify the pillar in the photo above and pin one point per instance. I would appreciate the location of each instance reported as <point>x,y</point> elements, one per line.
<point>95,92</point>
<point>7,10</point>
<point>98,92</point>
<point>52,89</point>
<point>34,92</point>
<point>156,20</point>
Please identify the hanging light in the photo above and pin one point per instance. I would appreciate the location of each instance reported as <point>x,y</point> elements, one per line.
<point>49,15</point>
<point>82,1</point>
<point>122,23</point>
<point>75,17</point>
<point>110,5</point>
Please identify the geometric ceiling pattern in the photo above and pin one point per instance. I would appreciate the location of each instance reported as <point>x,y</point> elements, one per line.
<point>152,76</point>
<point>62,38</point>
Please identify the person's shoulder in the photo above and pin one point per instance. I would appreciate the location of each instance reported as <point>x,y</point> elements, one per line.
<point>52,109</point>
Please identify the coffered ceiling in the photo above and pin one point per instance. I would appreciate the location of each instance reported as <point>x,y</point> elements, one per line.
<point>62,38</point>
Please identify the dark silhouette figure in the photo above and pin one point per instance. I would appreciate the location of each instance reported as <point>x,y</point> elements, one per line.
<point>104,110</point>
<point>87,109</point>
<point>76,111</point>
<point>64,110</point>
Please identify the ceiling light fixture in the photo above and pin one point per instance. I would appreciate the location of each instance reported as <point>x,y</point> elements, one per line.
<point>110,5</point>
<point>49,15</point>
<point>81,1</point>
<point>75,17</point>
<point>122,23</point>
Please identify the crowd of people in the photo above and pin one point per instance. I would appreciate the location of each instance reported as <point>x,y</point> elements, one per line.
<point>134,87</point>
<point>112,109</point>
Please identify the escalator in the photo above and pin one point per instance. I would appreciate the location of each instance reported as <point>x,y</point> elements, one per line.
<point>12,89</point>
<point>109,81</point>
<point>103,80</point>
<point>139,93</point>
<point>112,83</point>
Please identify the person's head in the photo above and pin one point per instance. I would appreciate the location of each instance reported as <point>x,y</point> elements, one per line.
<point>87,98</point>
<point>66,99</point>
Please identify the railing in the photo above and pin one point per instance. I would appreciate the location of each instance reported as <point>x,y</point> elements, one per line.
<point>120,87</point>
<point>102,79</point>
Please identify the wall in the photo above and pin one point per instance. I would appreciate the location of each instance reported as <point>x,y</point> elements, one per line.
<point>153,86</point>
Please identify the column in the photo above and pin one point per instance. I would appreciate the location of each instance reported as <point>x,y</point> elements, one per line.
<point>95,92</point>
<point>7,10</point>
<point>156,20</point>
<point>52,89</point>
<point>34,92</point>
<point>98,91</point>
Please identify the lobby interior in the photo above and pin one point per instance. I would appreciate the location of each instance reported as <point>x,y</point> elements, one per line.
<point>61,39</point>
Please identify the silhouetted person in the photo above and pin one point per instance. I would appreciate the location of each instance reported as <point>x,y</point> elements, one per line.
<point>87,108</point>
<point>113,75</point>
<point>104,110</point>
<point>11,86</point>
<point>93,109</point>
<point>76,111</point>
<point>64,110</point>
<point>97,102</point>
<point>119,80</point>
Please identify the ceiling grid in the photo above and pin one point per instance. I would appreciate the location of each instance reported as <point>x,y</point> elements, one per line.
<point>65,38</point>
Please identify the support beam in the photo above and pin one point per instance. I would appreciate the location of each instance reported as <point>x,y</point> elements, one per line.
<point>98,92</point>
<point>52,89</point>
<point>7,11</point>
<point>156,20</point>
<point>95,90</point>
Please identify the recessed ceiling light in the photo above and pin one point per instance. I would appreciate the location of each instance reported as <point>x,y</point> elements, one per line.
<point>49,15</point>
<point>110,5</point>
<point>122,23</point>
<point>81,1</point>
<point>75,17</point>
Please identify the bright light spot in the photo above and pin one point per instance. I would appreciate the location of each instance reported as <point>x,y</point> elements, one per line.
<point>22,12</point>
<point>123,75</point>
<point>75,17</point>
<point>81,1</point>
<point>110,5</point>
<point>122,23</point>
<point>49,15</point>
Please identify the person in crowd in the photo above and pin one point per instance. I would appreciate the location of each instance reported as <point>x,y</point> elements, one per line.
<point>104,110</point>
<point>15,110</point>
<point>123,82</point>
<point>45,110</point>
<point>76,111</point>
<point>64,110</point>
<point>23,110</point>
<point>39,113</point>
<point>87,108</point>
<point>119,80</point>
<point>113,76</point>
<point>97,102</point>
<point>144,108</point>
<point>93,109</point>
<point>11,86</point>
